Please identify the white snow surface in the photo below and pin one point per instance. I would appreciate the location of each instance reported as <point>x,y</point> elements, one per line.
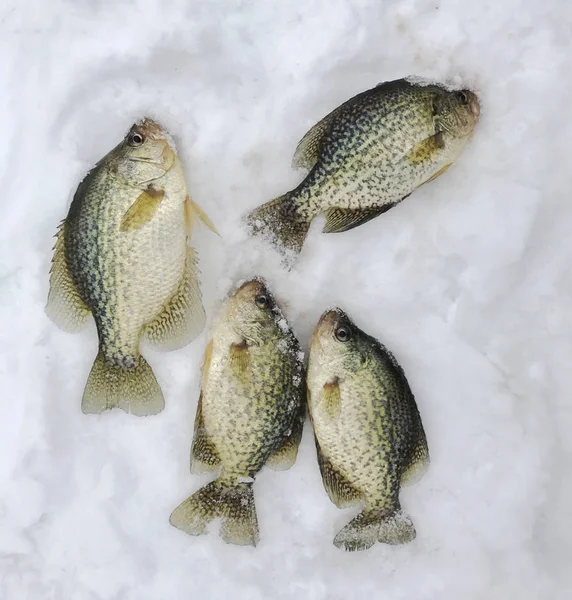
<point>468,282</point>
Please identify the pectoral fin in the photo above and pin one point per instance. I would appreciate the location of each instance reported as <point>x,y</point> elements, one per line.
<point>239,358</point>
<point>426,148</point>
<point>330,399</point>
<point>143,209</point>
<point>344,219</point>
<point>192,211</point>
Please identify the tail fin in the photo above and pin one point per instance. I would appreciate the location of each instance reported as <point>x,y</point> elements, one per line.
<point>280,220</point>
<point>235,505</point>
<point>135,391</point>
<point>369,527</point>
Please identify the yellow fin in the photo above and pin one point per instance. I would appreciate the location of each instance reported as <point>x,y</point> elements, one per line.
<point>183,318</point>
<point>205,367</point>
<point>344,219</point>
<point>143,209</point>
<point>341,492</point>
<point>204,455</point>
<point>425,149</point>
<point>135,391</point>
<point>239,358</point>
<point>65,306</point>
<point>193,210</point>
<point>331,398</point>
<point>439,172</point>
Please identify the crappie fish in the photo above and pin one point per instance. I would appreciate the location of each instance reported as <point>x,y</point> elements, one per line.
<point>250,413</point>
<point>121,254</point>
<point>368,431</point>
<point>368,155</point>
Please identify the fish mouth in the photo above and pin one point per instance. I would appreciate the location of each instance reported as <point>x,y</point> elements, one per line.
<point>152,129</point>
<point>326,326</point>
<point>251,288</point>
<point>473,104</point>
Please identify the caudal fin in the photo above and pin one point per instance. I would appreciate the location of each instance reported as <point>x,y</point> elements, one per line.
<point>135,390</point>
<point>282,222</point>
<point>369,527</point>
<point>234,505</point>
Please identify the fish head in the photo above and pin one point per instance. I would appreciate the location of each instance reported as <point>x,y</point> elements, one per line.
<point>253,312</point>
<point>456,112</point>
<point>146,153</point>
<point>337,344</point>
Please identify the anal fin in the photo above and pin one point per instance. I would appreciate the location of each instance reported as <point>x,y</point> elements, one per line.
<point>339,489</point>
<point>204,455</point>
<point>64,307</point>
<point>183,318</point>
<point>344,219</point>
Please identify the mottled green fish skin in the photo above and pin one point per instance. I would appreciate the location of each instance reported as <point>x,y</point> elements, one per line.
<point>125,277</point>
<point>369,154</point>
<point>121,255</point>
<point>250,412</point>
<point>374,441</point>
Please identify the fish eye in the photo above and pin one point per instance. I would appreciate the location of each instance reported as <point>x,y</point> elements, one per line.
<point>462,97</point>
<point>135,139</point>
<point>343,334</point>
<point>261,301</point>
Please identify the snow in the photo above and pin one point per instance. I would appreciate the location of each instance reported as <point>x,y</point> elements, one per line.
<point>468,282</point>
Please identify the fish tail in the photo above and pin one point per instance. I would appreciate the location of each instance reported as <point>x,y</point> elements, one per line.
<point>282,221</point>
<point>134,390</point>
<point>373,526</point>
<point>233,503</point>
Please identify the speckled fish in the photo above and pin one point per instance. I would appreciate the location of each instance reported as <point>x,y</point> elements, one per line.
<point>122,255</point>
<point>250,413</point>
<point>368,155</point>
<point>368,431</point>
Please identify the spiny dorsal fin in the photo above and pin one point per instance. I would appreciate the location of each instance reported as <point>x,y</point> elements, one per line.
<point>308,150</point>
<point>143,209</point>
<point>65,306</point>
<point>344,219</point>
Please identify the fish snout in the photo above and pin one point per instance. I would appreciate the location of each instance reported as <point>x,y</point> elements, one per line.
<point>473,104</point>
<point>327,323</point>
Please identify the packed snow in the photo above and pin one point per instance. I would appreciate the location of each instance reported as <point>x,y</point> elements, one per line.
<point>468,282</point>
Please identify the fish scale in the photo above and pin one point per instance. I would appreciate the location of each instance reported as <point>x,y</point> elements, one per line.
<point>368,155</point>
<point>250,413</point>
<point>368,431</point>
<point>122,256</point>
